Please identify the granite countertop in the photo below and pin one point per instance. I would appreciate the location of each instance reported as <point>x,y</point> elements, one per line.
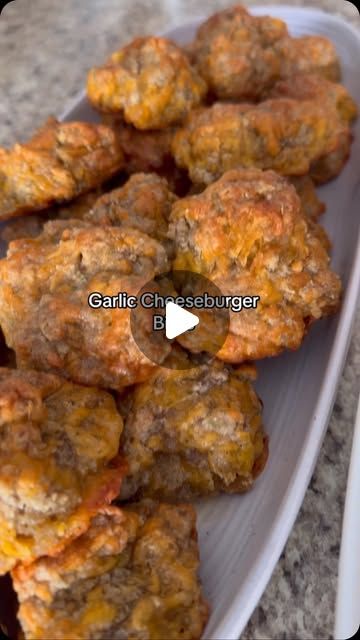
<point>46,48</point>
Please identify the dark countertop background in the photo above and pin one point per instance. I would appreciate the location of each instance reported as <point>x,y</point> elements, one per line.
<point>46,47</point>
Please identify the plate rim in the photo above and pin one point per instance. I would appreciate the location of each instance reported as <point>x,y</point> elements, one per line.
<point>347,615</point>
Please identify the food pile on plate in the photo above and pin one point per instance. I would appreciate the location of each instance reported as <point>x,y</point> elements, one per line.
<point>206,160</point>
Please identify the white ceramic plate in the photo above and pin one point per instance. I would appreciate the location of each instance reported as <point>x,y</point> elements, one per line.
<point>347,618</point>
<point>241,537</point>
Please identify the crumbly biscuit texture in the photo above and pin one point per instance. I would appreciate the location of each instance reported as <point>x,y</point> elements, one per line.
<point>132,575</point>
<point>57,442</point>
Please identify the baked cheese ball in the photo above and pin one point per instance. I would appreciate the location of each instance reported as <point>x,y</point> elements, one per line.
<point>45,284</point>
<point>57,441</point>
<point>192,433</point>
<point>248,234</point>
<point>150,82</point>
<point>143,202</point>
<point>286,135</point>
<point>133,574</point>
<point>235,53</point>
<point>309,86</point>
<point>311,204</point>
<point>301,86</point>
<point>61,161</point>
<point>308,54</point>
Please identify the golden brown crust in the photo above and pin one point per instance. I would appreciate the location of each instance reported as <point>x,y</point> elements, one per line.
<point>309,54</point>
<point>59,163</point>
<point>309,86</point>
<point>235,53</point>
<point>143,202</point>
<point>306,82</point>
<point>88,151</point>
<point>44,287</point>
<point>285,135</point>
<point>331,164</point>
<point>193,432</point>
<point>57,440</point>
<point>150,81</point>
<point>335,98</point>
<point>132,575</point>
<point>311,205</point>
<point>246,232</point>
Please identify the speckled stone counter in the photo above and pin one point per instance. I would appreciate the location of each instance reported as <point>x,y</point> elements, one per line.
<point>46,47</point>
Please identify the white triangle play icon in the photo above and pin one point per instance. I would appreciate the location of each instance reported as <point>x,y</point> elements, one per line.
<point>178,320</point>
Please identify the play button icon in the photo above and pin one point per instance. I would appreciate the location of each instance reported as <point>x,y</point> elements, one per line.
<point>178,320</point>
<point>184,333</point>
